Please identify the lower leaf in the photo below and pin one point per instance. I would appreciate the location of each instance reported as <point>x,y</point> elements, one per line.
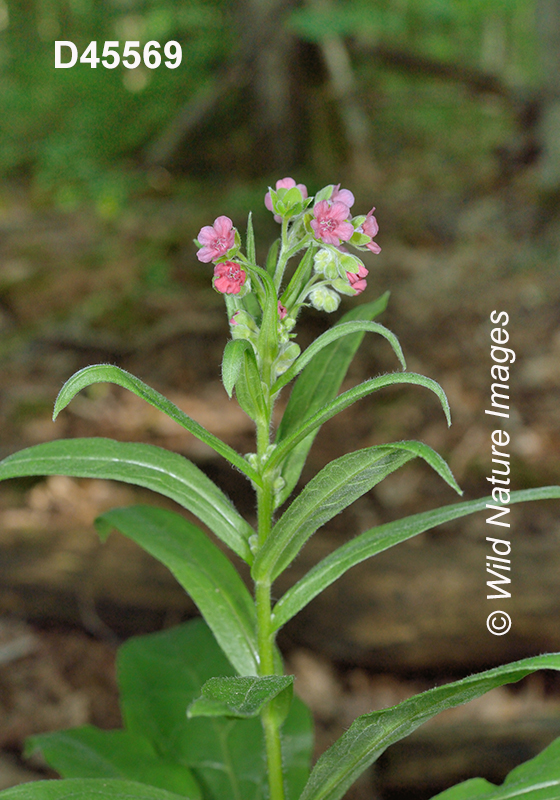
<point>371,734</point>
<point>241,697</point>
<point>537,779</point>
<point>87,789</point>
<point>89,752</point>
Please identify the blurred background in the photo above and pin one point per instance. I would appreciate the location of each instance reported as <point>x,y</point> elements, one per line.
<point>443,114</point>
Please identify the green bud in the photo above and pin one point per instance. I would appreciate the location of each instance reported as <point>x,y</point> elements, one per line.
<point>322,259</point>
<point>324,299</point>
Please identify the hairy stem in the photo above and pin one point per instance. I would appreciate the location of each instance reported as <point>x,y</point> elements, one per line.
<point>265,631</point>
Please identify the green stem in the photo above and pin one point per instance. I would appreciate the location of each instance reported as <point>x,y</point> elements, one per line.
<point>265,632</point>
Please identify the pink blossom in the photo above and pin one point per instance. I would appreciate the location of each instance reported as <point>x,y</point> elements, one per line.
<point>357,279</point>
<point>216,239</point>
<point>371,228</point>
<point>342,196</point>
<point>284,183</point>
<point>229,277</point>
<point>331,222</point>
<point>282,310</point>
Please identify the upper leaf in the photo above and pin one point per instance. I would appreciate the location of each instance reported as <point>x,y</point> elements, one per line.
<point>371,734</point>
<point>145,465</point>
<point>203,571</point>
<point>330,336</point>
<point>107,373</point>
<point>317,385</point>
<point>89,752</point>
<point>333,489</point>
<point>232,363</point>
<point>347,399</point>
<point>380,538</point>
<point>242,697</point>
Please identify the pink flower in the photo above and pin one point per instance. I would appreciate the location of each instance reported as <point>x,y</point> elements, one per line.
<point>331,222</point>
<point>357,279</point>
<point>284,183</point>
<point>371,228</point>
<point>216,239</point>
<point>342,196</point>
<point>282,310</point>
<point>229,277</point>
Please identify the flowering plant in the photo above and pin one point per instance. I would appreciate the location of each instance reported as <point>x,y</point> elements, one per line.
<point>208,710</point>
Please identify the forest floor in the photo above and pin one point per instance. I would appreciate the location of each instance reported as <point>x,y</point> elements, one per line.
<point>76,290</point>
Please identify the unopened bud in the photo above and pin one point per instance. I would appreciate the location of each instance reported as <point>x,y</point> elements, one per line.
<point>324,299</point>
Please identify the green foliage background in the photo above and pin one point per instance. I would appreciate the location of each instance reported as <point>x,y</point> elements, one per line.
<point>85,135</point>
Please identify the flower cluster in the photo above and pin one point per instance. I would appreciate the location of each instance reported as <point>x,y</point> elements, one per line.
<point>318,229</point>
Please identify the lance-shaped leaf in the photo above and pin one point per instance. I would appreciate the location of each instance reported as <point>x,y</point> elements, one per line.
<point>317,385</point>
<point>349,398</point>
<point>241,697</point>
<point>87,789</point>
<point>330,336</point>
<point>333,489</point>
<point>248,387</point>
<point>380,538</point>
<point>537,779</point>
<point>250,240</point>
<point>371,734</point>
<point>202,570</point>
<point>144,465</point>
<point>232,363</point>
<point>107,373</point>
<point>89,752</point>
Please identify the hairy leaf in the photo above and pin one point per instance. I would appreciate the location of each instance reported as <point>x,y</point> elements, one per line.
<point>107,373</point>
<point>381,538</point>
<point>89,752</point>
<point>371,734</point>
<point>330,336</point>
<point>161,674</point>
<point>319,383</point>
<point>349,398</point>
<point>202,570</point>
<point>333,489</point>
<point>241,697</point>
<point>87,789</point>
<point>537,779</point>
<point>232,363</point>
<point>145,465</point>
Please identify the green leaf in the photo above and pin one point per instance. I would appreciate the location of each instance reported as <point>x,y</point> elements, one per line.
<point>381,538</point>
<point>89,752</point>
<point>371,734</point>
<point>232,363</point>
<point>107,373</point>
<point>238,697</point>
<point>251,256</point>
<point>349,398</point>
<point>87,789</point>
<point>161,674</point>
<point>202,570</point>
<point>537,779</point>
<point>145,465</point>
<point>337,332</point>
<point>272,257</point>
<point>248,388</point>
<point>317,385</point>
<point>334,488</point>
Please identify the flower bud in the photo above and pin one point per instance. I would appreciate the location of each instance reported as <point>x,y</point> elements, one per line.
<point>324,299</point>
